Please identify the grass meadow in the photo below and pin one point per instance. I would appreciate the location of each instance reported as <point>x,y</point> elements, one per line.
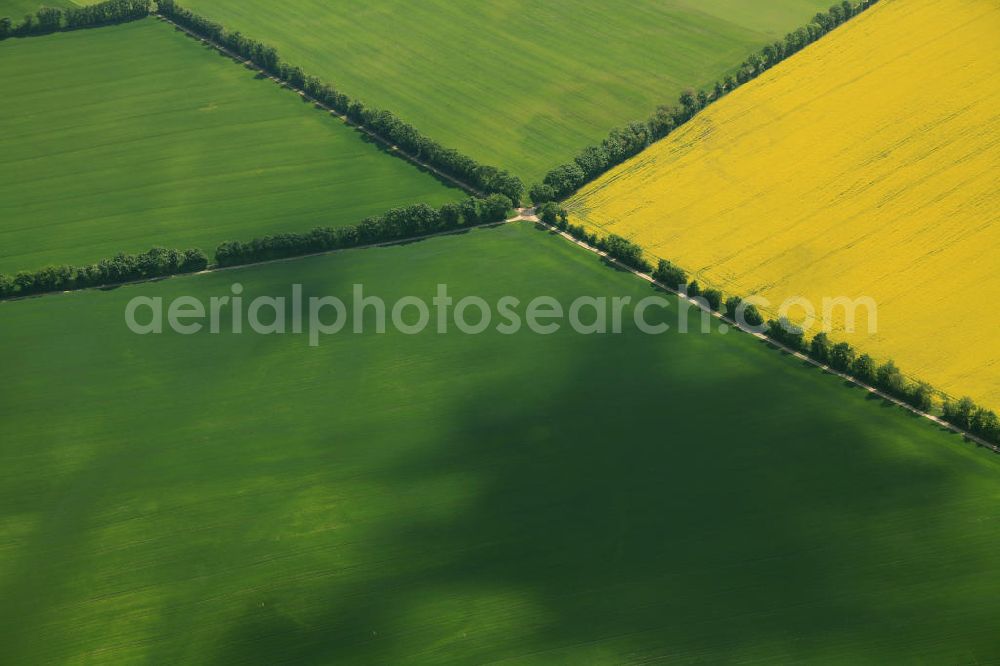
<point>518,84</point>
<point>125,137</point>
<point>865,165</point>
<point>450,498</point>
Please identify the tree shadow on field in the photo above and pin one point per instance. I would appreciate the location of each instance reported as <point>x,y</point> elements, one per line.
<point>886,403</point>
<point>386,149</point>
<point>402,242</point>
<point>608,263</point>
<point>774,347</point>
<point>538,226</point>
<point>612,515</point>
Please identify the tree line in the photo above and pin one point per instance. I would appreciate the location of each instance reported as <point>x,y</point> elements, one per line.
<point>617,247</point>
<point>384,124</point>
<point>50,19</point>
<point>887,377</point>
<point>395,224</point>
<point>625,142</point>
<point>155,262</point>
<point>965,414</point>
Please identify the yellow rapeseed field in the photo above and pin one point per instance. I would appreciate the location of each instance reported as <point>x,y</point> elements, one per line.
<point>866,165</point>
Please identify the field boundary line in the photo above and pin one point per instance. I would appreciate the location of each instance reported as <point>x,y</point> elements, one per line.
<point>726,285</point>
<point>774,343</point>
<point>393,148</point>
<point>215,268</point>
<point>653,129</point>
<point>528,215</point>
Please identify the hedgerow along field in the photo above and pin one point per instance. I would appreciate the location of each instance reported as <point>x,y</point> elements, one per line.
<point>523,85</point>
<point>865,165</point>
<point>121,138</point>
<point>393,498</point>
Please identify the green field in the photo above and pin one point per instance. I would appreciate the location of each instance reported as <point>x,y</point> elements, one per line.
<point>451,498</point>
<point>518,84</point>
<point>120,138</point>
<point>16,9</point>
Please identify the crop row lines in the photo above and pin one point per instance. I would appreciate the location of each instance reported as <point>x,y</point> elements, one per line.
<point>302,93</point>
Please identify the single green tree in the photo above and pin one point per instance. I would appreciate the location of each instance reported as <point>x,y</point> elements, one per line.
<point>714,298</point>
<point>842,356</point>
<point>864,369</point>
<point>821,348</point>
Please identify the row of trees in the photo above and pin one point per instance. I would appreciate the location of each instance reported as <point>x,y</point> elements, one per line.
<point>887,377</point>
<point>49,19</point>
<point>121,268</point>
<point>964,413</point>
<point>396,224</point>
<point>625,142</point>
<point>486,179</point>
<point>622,249</point>
<point>840,356</point>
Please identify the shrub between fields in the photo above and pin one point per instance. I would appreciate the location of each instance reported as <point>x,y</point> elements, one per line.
<point>396,224</point>
<point>49,19</point>
<point>156,262</point>
<point>625,142</point>
<point>384,124</point>
<point>964,413</point>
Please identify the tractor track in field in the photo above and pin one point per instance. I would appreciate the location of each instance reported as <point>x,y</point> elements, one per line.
<point>393,148</point>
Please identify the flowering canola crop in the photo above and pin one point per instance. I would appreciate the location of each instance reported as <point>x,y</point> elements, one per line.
<point>866,165</point>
